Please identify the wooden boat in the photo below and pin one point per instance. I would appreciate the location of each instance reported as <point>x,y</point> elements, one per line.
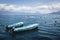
<point>19,24</point>
<point>24,28</point>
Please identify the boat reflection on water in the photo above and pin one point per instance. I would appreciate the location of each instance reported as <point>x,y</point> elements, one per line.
<point>32,33</point>
<point>24,32</point>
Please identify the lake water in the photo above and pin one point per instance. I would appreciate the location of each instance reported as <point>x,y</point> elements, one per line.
<point>49,27</point>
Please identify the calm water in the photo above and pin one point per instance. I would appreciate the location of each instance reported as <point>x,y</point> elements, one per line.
<point>48,29</point>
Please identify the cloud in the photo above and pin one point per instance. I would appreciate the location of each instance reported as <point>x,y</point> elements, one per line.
<point>43,9</point>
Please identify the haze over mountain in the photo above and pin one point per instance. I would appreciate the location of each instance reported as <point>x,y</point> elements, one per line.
<point>23,13</point>
<point>58,12</point>
<point>16,13</point>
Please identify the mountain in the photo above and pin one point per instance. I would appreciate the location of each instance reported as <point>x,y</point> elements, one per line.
<point>58,12</point>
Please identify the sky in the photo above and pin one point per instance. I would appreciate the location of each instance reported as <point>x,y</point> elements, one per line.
<point>30,6</point>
